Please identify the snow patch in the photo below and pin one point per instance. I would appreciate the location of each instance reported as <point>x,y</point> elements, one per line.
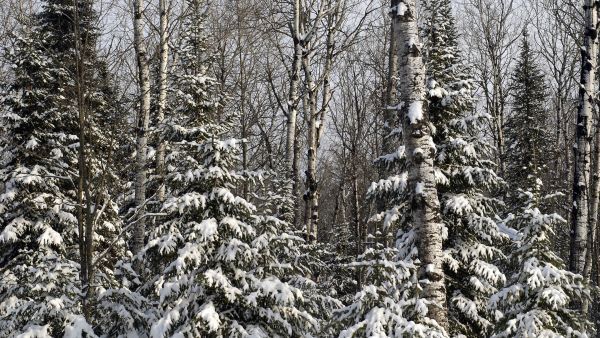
<point>415,112</point>
<point>401,9</point>
<point>50,237</point>
<point>210,316</point>
<point>419,188</point>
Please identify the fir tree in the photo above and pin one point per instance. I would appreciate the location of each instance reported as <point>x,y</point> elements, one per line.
<point>43,290</point>
<point>217,266</point>
<point>464,180</point>
<point>388,296</point>
<point>527,133</point>
<point>537,300</point>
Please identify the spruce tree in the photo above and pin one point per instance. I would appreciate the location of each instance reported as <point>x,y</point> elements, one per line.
<point>217,266</point>
<point>536,302</point>
<point>464,180</point>
<point>43,290</point>
<point>528,151</point>
<point>388,302</point>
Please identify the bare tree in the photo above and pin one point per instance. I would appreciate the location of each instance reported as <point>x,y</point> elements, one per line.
<point>491,30</point>
<point>581,181</point>
<point>142,124</point>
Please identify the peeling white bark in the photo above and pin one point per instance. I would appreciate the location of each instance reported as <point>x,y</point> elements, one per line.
<point>581,181</point>
<point>292,109</point>
<point>162,96</point>
<point>143,120</point>
<point>420,152</point>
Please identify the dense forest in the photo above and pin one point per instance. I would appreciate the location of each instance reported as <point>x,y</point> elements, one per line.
<point>299,168</point>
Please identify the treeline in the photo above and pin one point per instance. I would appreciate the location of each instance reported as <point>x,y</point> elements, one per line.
<point>299,168</point>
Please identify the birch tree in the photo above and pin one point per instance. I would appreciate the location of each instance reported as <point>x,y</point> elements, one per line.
<point>420,152</point>
<point>335,40</point>
<point>583,134</point>
<point>291,161</point>
<point>142,124</point>
<point>162,93</point>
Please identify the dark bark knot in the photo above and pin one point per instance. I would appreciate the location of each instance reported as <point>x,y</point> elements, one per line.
<point>413,49</point>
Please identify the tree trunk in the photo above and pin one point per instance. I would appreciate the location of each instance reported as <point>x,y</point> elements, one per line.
<point>581,181</point>
<point>389,120</point>
<point>317,117</point>
<point>594,201</point>
<point>162,98</point>
<point>84,218</point>
<point>420,152</point>
<point>311,196</point>
<point>593,216</point>
<point>292,111</point>
<point>143,120</point>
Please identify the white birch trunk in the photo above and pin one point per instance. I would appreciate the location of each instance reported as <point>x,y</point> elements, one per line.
<point>162,97</point>
<point>317,116</point>
<point>420,152</point>
<point>581,181</point>
<point>292,110</point>
<point>143,120</point>
<point>390,96</point>
<point>311,197</point>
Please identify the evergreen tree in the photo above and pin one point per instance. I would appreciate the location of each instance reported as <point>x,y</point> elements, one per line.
<point>465,182</point>
<point>528,149</point>
<point>389,295</point>
<point>465,177</point>
<point>537,300</point>
<point>217,267</point>
<point>55,75</point>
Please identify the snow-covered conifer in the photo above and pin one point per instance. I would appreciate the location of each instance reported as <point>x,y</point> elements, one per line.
<point>219,266</point>
<point>536,302</point>
<point>528,150</point>
<point>42,252</point>
<point>465,178</point>
<point>388,296</point>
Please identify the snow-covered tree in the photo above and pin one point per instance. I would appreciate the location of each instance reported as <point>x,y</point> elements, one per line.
<point>528,151</point>
<point>53,219</point>
<point>464,180</point>
<point>465,177</point>
<point>389,295</point>
<point>217,266</point>
<point>537,300</point>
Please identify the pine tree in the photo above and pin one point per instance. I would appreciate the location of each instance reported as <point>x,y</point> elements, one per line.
<point>528,151</point>
<point>537,300</point>
<point>43,289</point>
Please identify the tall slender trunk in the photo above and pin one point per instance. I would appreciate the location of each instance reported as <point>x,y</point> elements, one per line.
<point>356,214</point>
<point>594,202</point>
<point>420,152</point>
<point>581,181</point>
<point>84,217</point>
<point>593,216</point>
<point>295,179</point>
<point>389,120</point>
<point>143,121</point>
<point>311,196</point>
<point>317,118</point>
<point>162,98</point>
<point>292,110</point>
